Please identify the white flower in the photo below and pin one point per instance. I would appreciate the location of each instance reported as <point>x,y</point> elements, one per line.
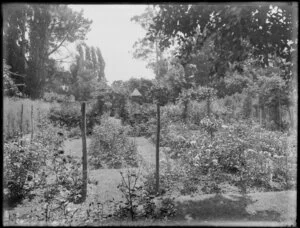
<point>193,143</point>
<point>215,161</point>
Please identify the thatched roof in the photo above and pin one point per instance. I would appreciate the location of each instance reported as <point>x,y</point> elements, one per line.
<point>135,93</point>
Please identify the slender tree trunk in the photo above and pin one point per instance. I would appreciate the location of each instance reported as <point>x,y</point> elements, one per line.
<point>84,153</point>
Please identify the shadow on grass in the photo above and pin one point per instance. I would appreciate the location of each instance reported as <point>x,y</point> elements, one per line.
<point>219,207</point>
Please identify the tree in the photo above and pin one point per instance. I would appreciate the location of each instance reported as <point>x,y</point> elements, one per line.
<point>48,28</point>
<point>101,64</point>
<point>85,72</point>
<point>234,34</point>
<point>14,43</point>
<point>229,26</point>
<point>10,88</point>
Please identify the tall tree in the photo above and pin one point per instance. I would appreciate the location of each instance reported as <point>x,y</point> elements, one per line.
<point>41,31</point>
<point>85,72</point>
<point>101,65</point>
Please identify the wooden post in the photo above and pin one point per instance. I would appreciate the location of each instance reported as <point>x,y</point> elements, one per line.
<point>21,124</point>
<point>157,147</point>
<point>84,152</point>
<point>208,106</point>
<point>31,118</point>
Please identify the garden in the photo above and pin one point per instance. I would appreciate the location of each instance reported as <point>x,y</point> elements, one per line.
<point>212,139</point>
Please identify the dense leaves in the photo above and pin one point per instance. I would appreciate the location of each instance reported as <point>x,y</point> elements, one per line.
<point>110,147</point>
<point>33,32</point>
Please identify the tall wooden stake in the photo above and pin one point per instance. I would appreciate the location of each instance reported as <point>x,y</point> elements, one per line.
<point>158,126</point>
<point>157,147</point>
<point>21,123</point>
<point>31,118</point>
<point>84,152</point>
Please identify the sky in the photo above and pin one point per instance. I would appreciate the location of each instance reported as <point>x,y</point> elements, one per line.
<point>114,33</point>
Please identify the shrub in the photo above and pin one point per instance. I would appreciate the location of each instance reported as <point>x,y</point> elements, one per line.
<point>50,97</point>
<point>74,132</point>
<point>20,163</point>
<point>140,203</point>
<point>171,112</point>
<point>41,168</point>
<point>188,187</point>
<point>227,157</point>
<point>210,125</point>
<point>68,114</point>
<point>110,146</point>
<point>197,112</point>
<point>242,150</point>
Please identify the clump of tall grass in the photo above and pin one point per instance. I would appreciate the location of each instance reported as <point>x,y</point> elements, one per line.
<point>12,114</point>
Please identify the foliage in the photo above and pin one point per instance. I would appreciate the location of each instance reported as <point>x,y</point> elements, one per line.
<point>49,26</point>
<point>10,88</point>
<point>41,169</point>
<point>87,74</point>
<point>140,203</point>
<point>129,187</point>
<point>55,97</point>
<point>19,164</point>
<point>141,119</point>
<point>210,125</point>
<point>159,94</point>
<point>68,114</point>
<point>74,132</point>
<point>244,151</point>
<point>171,112</point>
<point>110,147</point>
<point>241,153</point>
<point>197,111</point>
<point>262,21</point>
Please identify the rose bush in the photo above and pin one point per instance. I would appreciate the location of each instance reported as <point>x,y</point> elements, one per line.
<point>110,146</point>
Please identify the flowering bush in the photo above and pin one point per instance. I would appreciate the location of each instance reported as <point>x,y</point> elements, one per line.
<point>20,163</point>
<point>110,146</point>
<point>210,125</point>
<point>242,153</point>
<point>197,112</point>
<point>171,112</point>
<point>40,167</point>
